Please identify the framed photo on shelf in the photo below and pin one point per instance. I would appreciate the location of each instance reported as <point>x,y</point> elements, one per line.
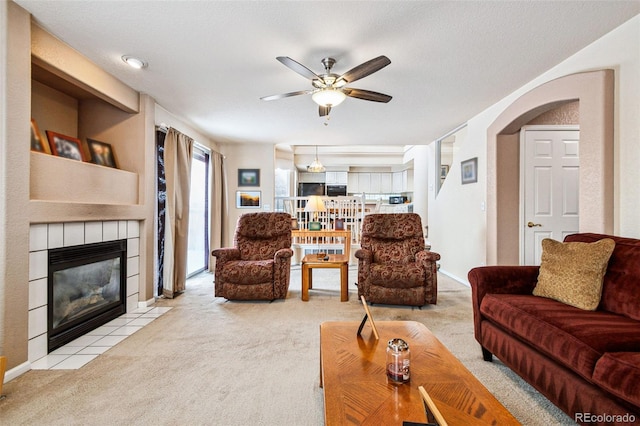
<point>248,177</point>
<point>38,143</point>
<point>65,146</point>
<point>101,153</point>
<point>469,170</point>
<point>248,199</point>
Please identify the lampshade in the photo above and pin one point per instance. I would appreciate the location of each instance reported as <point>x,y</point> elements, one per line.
<point>316,166</point>
<point>328,97</point>
<point>315,204</point>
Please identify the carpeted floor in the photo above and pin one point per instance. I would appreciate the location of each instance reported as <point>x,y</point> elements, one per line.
<point>214,362</point>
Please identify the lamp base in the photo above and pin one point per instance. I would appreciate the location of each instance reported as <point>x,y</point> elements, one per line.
<point>315,226</point>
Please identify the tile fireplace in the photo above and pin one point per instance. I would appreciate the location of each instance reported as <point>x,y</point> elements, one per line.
<point>48,238</point>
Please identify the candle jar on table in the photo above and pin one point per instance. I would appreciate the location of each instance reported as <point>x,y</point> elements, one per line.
<point>398,361</point>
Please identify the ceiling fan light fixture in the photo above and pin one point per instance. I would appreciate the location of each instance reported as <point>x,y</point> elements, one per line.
<point>328,97</point>
<point>316,166</point>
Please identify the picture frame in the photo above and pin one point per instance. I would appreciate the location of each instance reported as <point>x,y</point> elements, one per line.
<point>369,317</point>
<point>248,177</point>
<point>65,146</point>
<point>101,153</point>
<point>444,170</point>
<point>339,224</point>
<point>294,224</point>
<point>38,143</point>
<point>469,170</point>
<point>248,199</point>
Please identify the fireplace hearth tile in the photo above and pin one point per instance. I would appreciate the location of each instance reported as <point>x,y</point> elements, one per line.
<point>109,340</point>
<point>67,350</point>
<point>78,353</point>
<point>102,331</point>
<point>126,330</point>
<point>94,350</point>
<point>74,362</point>
<point>48,362</point>
<point>141,321</point>
<point>85,340</point>
<point>119,322</point>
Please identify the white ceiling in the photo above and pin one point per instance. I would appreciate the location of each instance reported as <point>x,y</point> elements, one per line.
<point>211,61</point>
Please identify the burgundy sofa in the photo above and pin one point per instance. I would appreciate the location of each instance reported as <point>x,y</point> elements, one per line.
<point>586,362</point>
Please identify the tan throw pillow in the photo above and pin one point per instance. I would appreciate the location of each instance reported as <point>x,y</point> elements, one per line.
<point>572,273</point>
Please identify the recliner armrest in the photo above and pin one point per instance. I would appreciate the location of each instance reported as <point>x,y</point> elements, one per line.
<point>226,254</point>
<point>283,253</point>
<point>364,255</point>
<point>427,256</point>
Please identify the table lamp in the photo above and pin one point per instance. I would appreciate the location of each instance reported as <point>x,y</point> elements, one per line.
<point>315,205</point>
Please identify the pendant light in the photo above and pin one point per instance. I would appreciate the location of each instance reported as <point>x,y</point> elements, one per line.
<point>316,166</point>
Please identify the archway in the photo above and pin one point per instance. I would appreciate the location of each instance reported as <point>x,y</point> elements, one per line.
<point>594,90</point>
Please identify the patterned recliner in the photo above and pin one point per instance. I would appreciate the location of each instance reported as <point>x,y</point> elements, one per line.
<point>257,268</point>
<point>393,266</point>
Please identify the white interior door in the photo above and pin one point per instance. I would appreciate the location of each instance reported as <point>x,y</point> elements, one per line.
<point>549,175</point>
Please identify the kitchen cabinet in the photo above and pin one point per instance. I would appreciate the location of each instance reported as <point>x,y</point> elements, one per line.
<point>396,185</point>
<point>336,178</point>
<point>364,182</point>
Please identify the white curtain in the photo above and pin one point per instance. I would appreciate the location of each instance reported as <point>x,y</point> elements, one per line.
<point>178,152</point>
<point>219,206</point>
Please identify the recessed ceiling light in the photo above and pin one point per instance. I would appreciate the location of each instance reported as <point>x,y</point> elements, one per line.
<point>134,62</point>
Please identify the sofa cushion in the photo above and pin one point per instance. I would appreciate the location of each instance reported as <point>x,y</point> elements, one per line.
<point>621,287</point>
<point>619,373</point>
<point>574,337</point>
<point>396,275</point>
<point>572,272</point>
<point>248,272</point>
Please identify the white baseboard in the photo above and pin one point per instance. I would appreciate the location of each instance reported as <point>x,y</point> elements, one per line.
<point>17,371</point>
<point>147,303</point>
<point>450,275</point>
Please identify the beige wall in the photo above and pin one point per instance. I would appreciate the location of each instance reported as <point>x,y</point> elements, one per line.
<point>459,233</point>
<point>14,184</point>
<point>248,156</point>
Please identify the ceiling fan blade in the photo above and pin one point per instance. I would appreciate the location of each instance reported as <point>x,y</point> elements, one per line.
<point>286,95</point>
<point>324,110</point>
<point>298,67</point>
<point>367,95</point>
<point>365,69</point>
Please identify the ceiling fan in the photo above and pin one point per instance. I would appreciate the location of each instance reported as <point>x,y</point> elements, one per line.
<point>329,89</point>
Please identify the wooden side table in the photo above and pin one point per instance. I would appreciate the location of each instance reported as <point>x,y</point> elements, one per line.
<point>338,261</point>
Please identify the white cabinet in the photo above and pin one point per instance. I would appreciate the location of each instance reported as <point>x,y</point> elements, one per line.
<point>375,187</point>
<point>386,185</point>
<point>336,178</point>
<point>364,182</point>
<point>396,185</point>
<point>311,177</point>
<point>352,183</point>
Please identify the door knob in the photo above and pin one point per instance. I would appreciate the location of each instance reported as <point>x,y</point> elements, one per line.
<point>531,224</point>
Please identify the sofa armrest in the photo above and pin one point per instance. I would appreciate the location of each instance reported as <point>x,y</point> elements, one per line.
<point>226,254</point>
<point>499,279</point>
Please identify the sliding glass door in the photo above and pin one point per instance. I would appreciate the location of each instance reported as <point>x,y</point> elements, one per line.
<point>198,250</point>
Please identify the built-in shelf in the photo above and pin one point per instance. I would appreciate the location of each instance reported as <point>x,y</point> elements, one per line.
<point>64,180</point>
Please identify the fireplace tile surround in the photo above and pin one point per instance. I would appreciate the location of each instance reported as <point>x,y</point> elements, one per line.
<point>45,236</point>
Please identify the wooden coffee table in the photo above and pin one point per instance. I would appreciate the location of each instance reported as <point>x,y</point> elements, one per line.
<point>356,389</point>
<point>311,261</point>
